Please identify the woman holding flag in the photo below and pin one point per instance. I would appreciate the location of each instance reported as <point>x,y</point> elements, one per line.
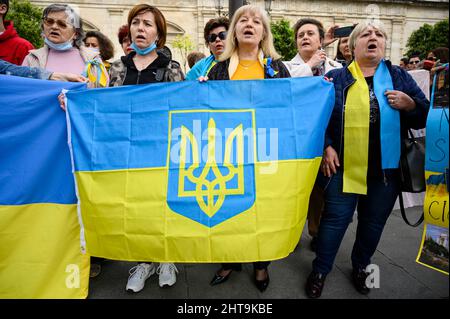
<point>145,65</point>
<point>375,104</point>
<point>64,50</point>
<point>249,55</point>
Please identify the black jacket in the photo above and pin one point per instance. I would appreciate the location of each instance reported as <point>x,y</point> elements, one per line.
<point>220,71</point>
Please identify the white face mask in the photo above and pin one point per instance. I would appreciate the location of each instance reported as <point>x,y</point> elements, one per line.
<point>93,51</point>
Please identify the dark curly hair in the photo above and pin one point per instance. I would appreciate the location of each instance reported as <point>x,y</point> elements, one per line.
<point>105,45</point>
<point>215,23</point>
<point>315,22</point>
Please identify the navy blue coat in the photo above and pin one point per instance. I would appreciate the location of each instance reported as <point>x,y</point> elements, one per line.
<point>402,81</point>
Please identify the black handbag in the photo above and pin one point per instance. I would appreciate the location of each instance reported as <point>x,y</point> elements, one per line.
<point>412,170</point>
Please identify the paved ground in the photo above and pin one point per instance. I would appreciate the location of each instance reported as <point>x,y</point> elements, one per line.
<point>401,276</point>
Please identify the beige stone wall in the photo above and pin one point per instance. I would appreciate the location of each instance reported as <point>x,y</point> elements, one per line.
<point>400,18</point>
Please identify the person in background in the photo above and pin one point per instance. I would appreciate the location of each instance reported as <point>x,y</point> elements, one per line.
<point>439,55</point>
<point>215,33</point>
<point>146,64</point>
<point>311,59</point>
<point>98,42</point>
<point>64,50</point>
<point>249,55</point>
<point>344,55</point>
<point>414,61</point>
<point>435,61</point>
<point>13,48</point>
<point>37,73</point>
<point>404,63</point>
<point>124,39</point>
<point>360,165</point>
<point>194,57</point>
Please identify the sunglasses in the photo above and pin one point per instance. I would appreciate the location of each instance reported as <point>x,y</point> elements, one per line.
<point>433,58</point>
<point>414,62</point>
<point>212,37</point>
<point>61,23</point>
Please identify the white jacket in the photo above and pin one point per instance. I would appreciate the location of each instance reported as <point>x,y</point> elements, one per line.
<point>298,68</point>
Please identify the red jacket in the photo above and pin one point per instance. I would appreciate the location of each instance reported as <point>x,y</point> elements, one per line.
<point>12,47</point>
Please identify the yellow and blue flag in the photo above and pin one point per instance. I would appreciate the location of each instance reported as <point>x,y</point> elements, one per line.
<point>197,172</point>
<point>40,254</point>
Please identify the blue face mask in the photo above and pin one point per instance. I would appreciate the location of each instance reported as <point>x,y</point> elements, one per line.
<point>59,46</point>
<point>143,51</point>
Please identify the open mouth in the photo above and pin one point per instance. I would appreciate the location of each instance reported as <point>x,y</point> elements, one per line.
<point>54,33</point>
<point>305,44</point>
<point>248,32</point>
<point>140,36</point>
<point>372,46</point>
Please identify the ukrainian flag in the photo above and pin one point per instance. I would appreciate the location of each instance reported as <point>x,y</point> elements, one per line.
<point>40,254</point>
<point>197,172</point>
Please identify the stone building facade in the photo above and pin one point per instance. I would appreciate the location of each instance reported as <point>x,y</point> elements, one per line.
<point>188,17</point>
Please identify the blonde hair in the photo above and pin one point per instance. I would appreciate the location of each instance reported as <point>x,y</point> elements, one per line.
<point>266,45</point>
<point>360,29</point>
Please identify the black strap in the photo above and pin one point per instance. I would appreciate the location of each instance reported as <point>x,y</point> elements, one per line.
<point>402,210</point>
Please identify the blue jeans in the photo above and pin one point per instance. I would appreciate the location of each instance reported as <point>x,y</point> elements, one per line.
<point>373,212</point>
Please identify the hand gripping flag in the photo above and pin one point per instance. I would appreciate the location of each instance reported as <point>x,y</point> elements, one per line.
<point>40,254</point>
<point>197,172</point>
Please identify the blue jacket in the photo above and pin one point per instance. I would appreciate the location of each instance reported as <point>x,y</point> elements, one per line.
<point>402,81</point>
<point>23,71</point>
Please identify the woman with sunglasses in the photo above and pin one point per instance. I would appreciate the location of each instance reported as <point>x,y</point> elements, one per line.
<point>64,50</point>
<point>215,33</point>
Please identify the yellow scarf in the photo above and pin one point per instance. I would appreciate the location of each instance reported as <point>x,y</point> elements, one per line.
<point>356,133</point>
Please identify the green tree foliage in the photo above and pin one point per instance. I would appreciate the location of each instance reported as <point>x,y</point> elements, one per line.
<point>184,45</point>
<point>27,20</point>
<point>427,38</point>
<point>440,34</point>
<point>284,39</point>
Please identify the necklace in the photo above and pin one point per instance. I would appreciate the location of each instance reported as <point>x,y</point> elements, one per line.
<point>246,66</point>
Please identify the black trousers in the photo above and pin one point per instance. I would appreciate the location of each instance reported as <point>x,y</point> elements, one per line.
<point>259,265</point>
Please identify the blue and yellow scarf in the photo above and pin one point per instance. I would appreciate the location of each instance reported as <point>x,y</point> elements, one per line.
<point>356,128</point>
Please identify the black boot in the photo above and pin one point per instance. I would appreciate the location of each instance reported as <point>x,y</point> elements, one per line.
<point>359,277</point>
<point>314,284</point>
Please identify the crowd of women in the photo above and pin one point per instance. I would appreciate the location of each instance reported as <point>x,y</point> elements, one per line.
<point>375,103</point>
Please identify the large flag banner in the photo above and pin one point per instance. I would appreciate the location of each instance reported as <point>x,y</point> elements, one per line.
<point>434,249</point>
<point>197,172</point>
<point>40,254</point>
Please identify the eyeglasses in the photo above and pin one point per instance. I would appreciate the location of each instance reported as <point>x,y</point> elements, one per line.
<point>432,58</point>
<point>212,37</point>
<point>61,23</point>
<point>414,62</point>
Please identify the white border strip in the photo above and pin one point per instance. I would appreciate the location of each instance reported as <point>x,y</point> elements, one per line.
<point>69,143</point>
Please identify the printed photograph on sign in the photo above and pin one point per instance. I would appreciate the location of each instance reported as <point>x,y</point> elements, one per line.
<point>434,248</point>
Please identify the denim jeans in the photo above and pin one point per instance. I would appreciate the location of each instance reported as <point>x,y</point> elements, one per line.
<point>373,212</point>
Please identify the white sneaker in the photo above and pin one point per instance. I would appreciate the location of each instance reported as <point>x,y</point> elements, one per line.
<point>167,274</point>
<point>138,275</point>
